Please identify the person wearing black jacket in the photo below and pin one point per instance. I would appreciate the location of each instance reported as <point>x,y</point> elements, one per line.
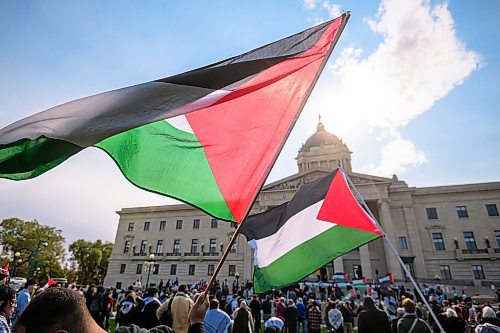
<point>146,317</point>
<point>255,308</point>
<point>372,320</point>
<point>96,304</point>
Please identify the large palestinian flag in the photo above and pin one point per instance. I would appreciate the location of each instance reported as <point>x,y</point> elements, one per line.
<point>232,120</point>
<point>322,222</point>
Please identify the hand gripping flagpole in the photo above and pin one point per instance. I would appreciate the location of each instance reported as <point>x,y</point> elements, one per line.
<point>345,19</point>
<point>393,249</point>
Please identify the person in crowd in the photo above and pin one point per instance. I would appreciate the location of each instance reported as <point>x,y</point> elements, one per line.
<point>279,305</point>
<point>394,323</point>
<point>291,317</point>
<point>243,321</point>
<point>273,325</point>
<point>96,304</point>
<point>489,322</point>
<point>348,316</point>
<point>314,318</point>
<point>57,310</point>
<point>7,306</point>
<point>146,317</point>
<point>181,305</point>
<point>255,308</point>
<point>452,322</point>
<point>410,323</point>
<point>267,308</point>
<point>335,318</point>
<point>216,320</point>
<point>24,297</point>
<point>301,315</point>
<point>125,315</point>
<point>107,301</point>
<point>371,319</point>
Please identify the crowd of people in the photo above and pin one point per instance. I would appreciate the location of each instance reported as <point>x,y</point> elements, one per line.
<point>304,308</point>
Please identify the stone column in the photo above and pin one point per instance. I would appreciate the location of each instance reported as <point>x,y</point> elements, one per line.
<point>366,263</point>
<point>415,244</point>
<point>338,265</point>
<point>386,222</point>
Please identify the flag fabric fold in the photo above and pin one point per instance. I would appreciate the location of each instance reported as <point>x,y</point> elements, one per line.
<point>322,222</point>
<point>386,279</point>
<point>339,277</point>
<point>207,137</point>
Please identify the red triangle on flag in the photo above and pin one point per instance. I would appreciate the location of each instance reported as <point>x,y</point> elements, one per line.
<point>340,207</point>
<point>50,281</point>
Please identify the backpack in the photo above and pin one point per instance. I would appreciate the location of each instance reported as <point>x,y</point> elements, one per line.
<point>167,318</point>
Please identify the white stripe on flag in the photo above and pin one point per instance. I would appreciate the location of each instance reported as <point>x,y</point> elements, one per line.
<point>300,228</point>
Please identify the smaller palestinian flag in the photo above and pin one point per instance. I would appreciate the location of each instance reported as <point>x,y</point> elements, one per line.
<point>49,282</point>
<point>386,279</point>
<point>340,277</point>
<point>359,281</point>
<point>4,272</point>
<point>322,222</point>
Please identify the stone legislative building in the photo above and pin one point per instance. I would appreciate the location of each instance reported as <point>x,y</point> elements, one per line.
<point>445,234</point>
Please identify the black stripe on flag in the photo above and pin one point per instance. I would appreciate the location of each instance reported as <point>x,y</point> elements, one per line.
<point>227,72</point>
<point>265,224</point>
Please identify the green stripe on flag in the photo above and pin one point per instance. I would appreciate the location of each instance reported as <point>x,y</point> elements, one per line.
<point>161,158</point>
<point>308,257</point>
<point>25,158</point>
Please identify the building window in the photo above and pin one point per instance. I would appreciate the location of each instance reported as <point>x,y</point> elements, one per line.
<point>462,212</point>
<point>122,268</point>
<point>191,269</point>
<point>131,226</point>
<point>118,285</point>
<point>211,269</point>
<point>445,272</point>
<point>497,238</point>
<point>194,245</point>
<point>232,270</point>
<point>126,249</point>
<point>159,246</point>
<point>156,269</point>
<point>357,272</point>
<point>234,247</point>
<point>437,239</point>
<point>146,226</point>
<point>162,225</point>
<point>139,269</point>
<point>178,224</point>
<point>196,224</point>
<point>142,250</point>
<point>492,210</point>
<point>214,224</point>
<point>432,213</point>
<point>213,246</point>
<point>403,244</point>
<point>470,241</point>
<point>173,269</point>
<point>177,246</point>
<point>478,272</point>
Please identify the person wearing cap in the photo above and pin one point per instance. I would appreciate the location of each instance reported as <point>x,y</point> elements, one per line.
<point>24,298</point>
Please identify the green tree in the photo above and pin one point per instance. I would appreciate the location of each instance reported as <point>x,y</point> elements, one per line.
<point>91,260</point>
<point>26,237</point>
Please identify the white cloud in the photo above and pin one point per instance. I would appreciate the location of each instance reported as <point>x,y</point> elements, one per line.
<point>332,9</point>
<point>419,61</point>
<point>310,4</point>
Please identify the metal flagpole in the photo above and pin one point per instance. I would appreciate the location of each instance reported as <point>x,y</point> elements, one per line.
<point>393,249</point>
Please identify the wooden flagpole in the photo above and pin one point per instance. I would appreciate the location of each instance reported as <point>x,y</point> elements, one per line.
<point>393,249</point>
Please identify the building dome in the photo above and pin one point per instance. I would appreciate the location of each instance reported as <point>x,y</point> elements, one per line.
<point>320,138</point>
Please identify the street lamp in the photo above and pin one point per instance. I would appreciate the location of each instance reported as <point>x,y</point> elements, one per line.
<point>17,260</point>
<point>150,263</point>
<point>37,252</point>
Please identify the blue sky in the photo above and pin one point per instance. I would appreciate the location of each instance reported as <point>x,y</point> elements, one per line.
<point>412,87</point>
